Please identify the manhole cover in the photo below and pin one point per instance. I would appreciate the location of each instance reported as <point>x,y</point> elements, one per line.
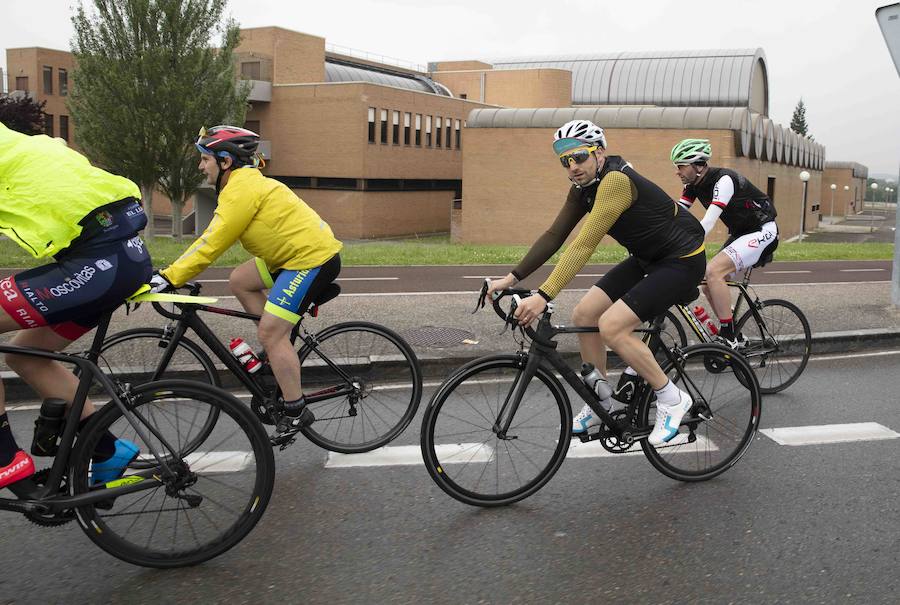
<point>434,336</point>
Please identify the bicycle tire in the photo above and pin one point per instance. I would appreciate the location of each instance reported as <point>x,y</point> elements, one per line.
<point>452,464</point>
<point>733,396</point>
<point>385,383</point>
<point>237,454</point>
<point>133,356</point>
<point>779,350</point>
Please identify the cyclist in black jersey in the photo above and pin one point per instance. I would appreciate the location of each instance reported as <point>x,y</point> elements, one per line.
<point>666,261</point>
<point>747,212</point>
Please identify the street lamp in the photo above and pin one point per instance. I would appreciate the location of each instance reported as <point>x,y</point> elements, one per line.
<point>833,187</point>
<point>804,176</point>
<point>847,189</point>
<point>874,191</point>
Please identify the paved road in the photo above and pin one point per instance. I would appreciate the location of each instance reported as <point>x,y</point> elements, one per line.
<point>811,523</point>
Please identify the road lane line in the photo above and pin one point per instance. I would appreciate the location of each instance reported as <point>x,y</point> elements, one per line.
<point>829,433</point>
<point>593,449</point>
<point>859,270</point>
<point>784,272</point>
<point>405,455</point>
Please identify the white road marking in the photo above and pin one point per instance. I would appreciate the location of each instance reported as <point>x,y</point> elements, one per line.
<point>830,433</point>
<point>212,462</point>
<point>860,270</point>
<point>593,449</point>
<point>784,272</point>
<point>405,455</point>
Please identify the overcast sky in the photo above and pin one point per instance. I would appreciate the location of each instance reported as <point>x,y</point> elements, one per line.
<point>829,52</point>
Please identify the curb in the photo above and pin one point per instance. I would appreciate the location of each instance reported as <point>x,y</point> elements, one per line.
<point>438,367</point>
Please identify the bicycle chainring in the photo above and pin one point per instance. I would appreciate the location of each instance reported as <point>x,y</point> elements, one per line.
<point>50,519</point>
<point>609,440</point>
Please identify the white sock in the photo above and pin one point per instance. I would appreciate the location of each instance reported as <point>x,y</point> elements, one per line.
<point>669,395</point>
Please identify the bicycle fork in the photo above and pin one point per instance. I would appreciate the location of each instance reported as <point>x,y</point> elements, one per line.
<point>511,404</point>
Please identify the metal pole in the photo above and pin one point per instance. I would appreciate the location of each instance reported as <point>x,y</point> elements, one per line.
<point>803,215</point>
<point>832,205</point>
<point>895,290</point>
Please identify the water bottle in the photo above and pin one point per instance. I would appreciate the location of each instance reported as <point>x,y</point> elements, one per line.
<point>48,427</point>
<point>597,383</point>
<point>703,317</point>
<point>245,355</point>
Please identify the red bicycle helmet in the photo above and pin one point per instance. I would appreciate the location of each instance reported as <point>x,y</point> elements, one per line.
<point>229,140</point>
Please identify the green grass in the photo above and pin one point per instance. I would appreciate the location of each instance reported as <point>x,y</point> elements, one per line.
<point>438,250</point>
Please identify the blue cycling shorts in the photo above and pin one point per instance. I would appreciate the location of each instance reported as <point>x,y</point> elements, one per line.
<point>292,291</point>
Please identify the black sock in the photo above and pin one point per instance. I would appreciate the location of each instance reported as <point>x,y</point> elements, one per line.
<point>8,446</point>
<point>726,328</point>
<point>105,448</point>
<point>293,408</point>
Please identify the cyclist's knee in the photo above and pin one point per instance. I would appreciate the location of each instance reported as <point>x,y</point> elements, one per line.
<point>585,315</point>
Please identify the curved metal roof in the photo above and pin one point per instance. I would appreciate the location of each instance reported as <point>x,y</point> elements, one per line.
<point>707,78</point>
<point>339,72</point>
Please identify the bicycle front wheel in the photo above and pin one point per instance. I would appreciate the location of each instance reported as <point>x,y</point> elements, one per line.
<point>779,343</point>
<point>720,426</point>
<point>213,495</point>
<point>364,385</point>
<point>466,452</point>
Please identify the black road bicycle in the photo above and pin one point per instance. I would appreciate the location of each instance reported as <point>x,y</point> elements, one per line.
<point>777,337</point>
<point>363,381</point>
<point>201,482</point>
<point>499,427</point>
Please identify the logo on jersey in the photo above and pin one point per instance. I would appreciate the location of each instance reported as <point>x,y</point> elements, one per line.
<point>72,284</point>
<point>103,264</point>
<point>10,292</point>
<point>104,218</point>
<point>753,243</point>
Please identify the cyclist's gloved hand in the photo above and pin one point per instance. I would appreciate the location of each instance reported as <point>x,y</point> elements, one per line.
<point>158,283</point>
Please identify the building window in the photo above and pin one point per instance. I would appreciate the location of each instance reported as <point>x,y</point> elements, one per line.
<point>456,127</point>
<point>371,124</point>
<point>22,83</point>
<point>395,137</point>
<point>384,126</point>
<point>250,70</point>
<point>48,124</point>
<point>770,188</point>
<point>418,130</point>
<point>48,80</point>
<point>463,96</point>
<point>427,131</point>
<point>406,118</point>
<point>64,127</point>
<point>437,131</point>
<point>254,126</point>
<point>63,82</point>
<point>447,126</point>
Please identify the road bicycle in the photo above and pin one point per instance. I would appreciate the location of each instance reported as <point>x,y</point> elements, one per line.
<point>362,381</point>
<point>777,340</point>
<point>499,427</point>
<point>201,482</point>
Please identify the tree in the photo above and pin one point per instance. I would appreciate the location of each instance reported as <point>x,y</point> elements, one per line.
<point>149,74</point>
<point>22,114</point>
<point>798,120</point>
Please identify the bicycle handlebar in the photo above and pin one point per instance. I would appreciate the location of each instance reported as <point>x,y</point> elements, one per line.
<point>508,318</point>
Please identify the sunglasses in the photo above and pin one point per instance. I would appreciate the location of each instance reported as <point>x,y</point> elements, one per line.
<point>578,156</point>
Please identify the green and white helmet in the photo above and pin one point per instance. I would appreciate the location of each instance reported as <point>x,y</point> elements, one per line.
<point>691,151</point>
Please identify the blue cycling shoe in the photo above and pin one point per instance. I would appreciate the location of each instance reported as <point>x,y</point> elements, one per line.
<point>112,469</point>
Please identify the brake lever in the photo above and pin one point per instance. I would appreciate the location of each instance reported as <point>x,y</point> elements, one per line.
<point>510,321</point>
<point>479,304</point>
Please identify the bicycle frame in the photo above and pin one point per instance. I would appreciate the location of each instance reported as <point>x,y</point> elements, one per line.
<point>743,295</point>
<point>188,318</point>
<point>88,372</point>
<point>543,348</point>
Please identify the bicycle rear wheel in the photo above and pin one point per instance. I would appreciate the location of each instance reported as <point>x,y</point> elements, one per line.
<point>778,347</point>
<point>364,384</point>
<point>217,494</point>
<point>725,391</point>
<point>462,449</point>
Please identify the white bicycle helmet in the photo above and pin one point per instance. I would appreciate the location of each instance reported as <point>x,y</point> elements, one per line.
<point>583,130</point>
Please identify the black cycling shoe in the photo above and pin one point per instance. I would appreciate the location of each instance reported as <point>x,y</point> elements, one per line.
<point>293,424</point>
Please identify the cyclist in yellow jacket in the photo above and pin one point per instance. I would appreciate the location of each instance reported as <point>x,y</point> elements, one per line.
<point>85,221</point>
<point>296,253</point>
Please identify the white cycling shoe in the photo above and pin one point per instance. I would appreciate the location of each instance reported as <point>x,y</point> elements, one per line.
<point>668,418</point>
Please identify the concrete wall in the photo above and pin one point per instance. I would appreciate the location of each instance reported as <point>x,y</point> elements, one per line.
<point>375,214</point>
<point>513,186</point>
<point>511,88</point>
<point>845,202</point>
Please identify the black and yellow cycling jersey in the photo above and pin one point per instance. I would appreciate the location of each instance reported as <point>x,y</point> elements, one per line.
<point>633,210</point>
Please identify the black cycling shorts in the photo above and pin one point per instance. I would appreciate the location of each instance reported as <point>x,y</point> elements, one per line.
<point>650,288</point>
<point>73,293</point>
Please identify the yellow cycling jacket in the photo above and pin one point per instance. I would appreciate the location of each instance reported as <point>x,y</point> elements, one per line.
<point>269,220</point>
<point>47,188</point>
